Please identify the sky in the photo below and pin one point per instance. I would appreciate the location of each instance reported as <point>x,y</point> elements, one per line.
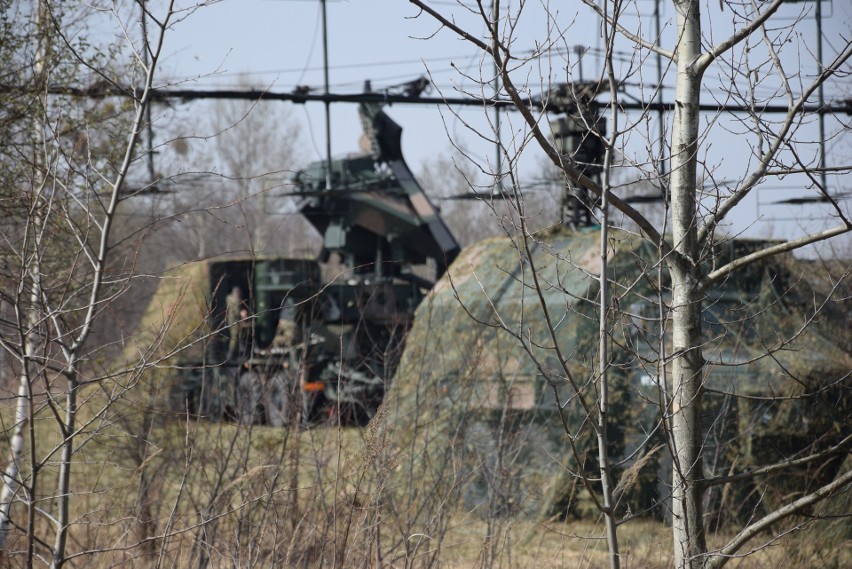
<point>277,44</point>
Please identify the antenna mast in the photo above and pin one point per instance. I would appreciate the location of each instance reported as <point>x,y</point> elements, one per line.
<point>327,101</point>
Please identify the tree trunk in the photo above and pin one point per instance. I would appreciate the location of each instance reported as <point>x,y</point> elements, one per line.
<point>27,316</point>
<point>63,518</point>
<point>12,473</point>
<point>687,364</point>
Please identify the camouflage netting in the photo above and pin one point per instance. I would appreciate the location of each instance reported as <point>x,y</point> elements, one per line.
<point>172,330</point>
<point>175,319</point>
<point>473,403</point>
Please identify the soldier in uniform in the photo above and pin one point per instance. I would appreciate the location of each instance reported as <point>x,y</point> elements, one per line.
<point>233,314</point>
<point>285,332</point>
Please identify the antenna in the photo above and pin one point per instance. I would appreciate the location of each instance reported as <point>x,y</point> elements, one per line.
<point>820,97</point>
<point>327,100</point>
<point>661,114</point>
<point>577,133</point>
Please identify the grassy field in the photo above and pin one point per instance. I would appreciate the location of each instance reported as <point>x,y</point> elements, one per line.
<point>150,489</point>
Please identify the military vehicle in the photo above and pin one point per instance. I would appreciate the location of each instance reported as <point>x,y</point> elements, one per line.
<point>284,341</point>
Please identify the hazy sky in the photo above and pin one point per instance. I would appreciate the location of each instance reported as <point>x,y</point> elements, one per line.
<point>277,44</point>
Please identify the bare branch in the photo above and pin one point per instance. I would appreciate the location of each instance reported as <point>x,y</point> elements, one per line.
<point>766,159</point>
<point>743,33</point>
<point>628,34</point>
<point>452,26</point>
<point>787,246</point>
<point>721,557</point>
<point>840,448</point>
<point>563,162</point>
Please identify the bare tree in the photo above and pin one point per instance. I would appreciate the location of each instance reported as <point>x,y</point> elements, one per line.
<point>66,168</point>
<point>223,183</point>
<point>465,205</point>
<point>246,160</point>
<point>475,210</point>
<point>689,259</point>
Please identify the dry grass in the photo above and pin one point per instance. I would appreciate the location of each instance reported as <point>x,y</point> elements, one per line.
<point>210,494</point>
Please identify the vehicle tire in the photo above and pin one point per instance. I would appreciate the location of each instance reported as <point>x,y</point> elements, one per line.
<point>249,410</point>
<point>278,399</point>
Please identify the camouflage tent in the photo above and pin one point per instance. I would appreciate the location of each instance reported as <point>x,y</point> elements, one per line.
<point>174,328</point>
<point>176,316</point>
<point>473,404</point>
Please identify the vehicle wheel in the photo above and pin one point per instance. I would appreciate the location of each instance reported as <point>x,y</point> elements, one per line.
<point>278,400</point>
<point>249,408</point>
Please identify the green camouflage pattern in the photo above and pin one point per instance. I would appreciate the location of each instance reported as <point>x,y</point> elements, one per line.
<point>473,402</point>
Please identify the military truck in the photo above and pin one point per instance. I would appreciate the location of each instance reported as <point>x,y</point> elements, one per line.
<point>286,338</point>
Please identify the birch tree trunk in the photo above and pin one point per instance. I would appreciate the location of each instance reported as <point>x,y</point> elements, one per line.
<point>687,364</point>
<point>29,319</point>
<point>11,475</point>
